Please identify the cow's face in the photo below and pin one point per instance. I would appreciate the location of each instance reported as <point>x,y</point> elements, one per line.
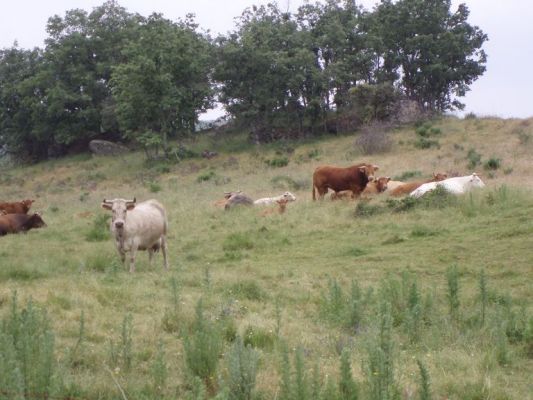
<point>37,221</point>
<point>476,181</point>
<point>289,196</point>
<point>119,208</point>
<point>27,202</point>
<point>381,183</point>
<point>369,170</point>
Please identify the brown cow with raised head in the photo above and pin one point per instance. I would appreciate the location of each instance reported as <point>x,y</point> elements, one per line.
<point>15,223</point>
<point>408,187</point>
<point>376,186</point>
<point>354,178</point>
<point>17,207</point>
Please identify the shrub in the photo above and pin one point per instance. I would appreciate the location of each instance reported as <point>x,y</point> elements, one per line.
<point>206,176</point>
<point>492,164</point>
<point>202,348</point>
<point>365,209</point>
<point>27,361</point>
<point>424,143</point>
<point>374,139</point>
<point>155,187</point>
<point>474,158</point>
<point>259,338</point>
<point>277,162</point>
<point>242,362</point>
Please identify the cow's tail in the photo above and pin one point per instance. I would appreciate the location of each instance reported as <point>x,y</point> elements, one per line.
<point>314,196</point>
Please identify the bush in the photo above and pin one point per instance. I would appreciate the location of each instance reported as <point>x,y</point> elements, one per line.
<point>374,139</point>
<point>365,209</point>
<point>474,158</point>
<point>492,164</point>
<point>206,176</point>
<point>259,338</point>
<point>27,361</point>
<point>277,162</point>
<point>242,363</point>
<point>424,143</point>
<point>202,348</point>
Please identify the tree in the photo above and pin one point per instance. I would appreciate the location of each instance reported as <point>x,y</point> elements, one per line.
<point>164,82</point>
<point>436,52</point>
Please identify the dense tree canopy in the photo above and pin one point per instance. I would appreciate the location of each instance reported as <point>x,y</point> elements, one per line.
<point>113,74</point>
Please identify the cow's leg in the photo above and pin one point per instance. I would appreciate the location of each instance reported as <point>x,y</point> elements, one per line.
<point>133,253</point>
<point>164,250</point>
<point>150,256</point>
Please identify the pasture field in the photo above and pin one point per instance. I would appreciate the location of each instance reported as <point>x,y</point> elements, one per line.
<point>419,299</point>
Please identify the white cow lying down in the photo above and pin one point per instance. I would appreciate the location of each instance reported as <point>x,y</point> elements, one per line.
<point>272,200</point>
<point>457,185</point>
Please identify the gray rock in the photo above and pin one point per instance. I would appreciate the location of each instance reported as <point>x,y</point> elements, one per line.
<point>106,148</point>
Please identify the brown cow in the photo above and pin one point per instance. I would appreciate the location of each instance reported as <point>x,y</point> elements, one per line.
<point>408,187</point>
<point>18,207</point>
<point>375,187</point>
<point>354,178</point>
<point>15,223</point>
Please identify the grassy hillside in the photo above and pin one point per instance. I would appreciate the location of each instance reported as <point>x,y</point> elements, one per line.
<point>385,283</point>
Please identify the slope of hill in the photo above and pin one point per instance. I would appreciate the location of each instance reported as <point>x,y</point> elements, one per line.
<point>389,283</point>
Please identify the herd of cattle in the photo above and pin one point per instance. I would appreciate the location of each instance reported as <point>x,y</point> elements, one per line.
<point>143,226</point>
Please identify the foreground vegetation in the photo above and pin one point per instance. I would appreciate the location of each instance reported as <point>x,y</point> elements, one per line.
<point>389,299</point>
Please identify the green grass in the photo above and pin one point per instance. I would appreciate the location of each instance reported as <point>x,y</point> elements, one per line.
<point>315,278</point>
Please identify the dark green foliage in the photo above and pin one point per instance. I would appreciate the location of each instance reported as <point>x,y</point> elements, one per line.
<point>424,143</point>
<point>474,158</point>
<point>492,164</point>
<point>277,162</point>
<point>155,187</point>
<point>27,360</point>
<point>347,387</point>
<point>425,389</point>
<point>452,277</point>
<point>366,209</point>
<point>242,363</point>
<point>259,338</point>
<point>206,176</point>
<point>374,102</point>
<point>203,347</point>
<point>159,370</point>
<point>100,229</point>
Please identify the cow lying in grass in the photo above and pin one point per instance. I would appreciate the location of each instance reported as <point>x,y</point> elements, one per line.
<point>372,188</point>
<point>282,206</point>
<point>408,187</point>
<point>271,200</point>
<point>457,185</point>
<point>140,226</point>
<point>17,207</point>
<point>15,223</point>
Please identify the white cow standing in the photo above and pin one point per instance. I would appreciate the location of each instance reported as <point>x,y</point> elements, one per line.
<point>272,200</point>
<point>457,185</point>
<point>140,226</point>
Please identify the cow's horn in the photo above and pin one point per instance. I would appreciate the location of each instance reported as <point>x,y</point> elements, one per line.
<point>105,201</point>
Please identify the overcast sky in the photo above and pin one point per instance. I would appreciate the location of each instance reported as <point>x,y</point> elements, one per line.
<point>505,90</point>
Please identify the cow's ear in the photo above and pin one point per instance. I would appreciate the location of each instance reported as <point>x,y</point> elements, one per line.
<point>106,205</point>
<point>375,167</point>
<point>388,178</point>
<point>130,206</point>
<point>362,169</point>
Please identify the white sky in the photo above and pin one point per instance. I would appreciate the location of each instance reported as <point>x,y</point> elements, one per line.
<point>505,90</point>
